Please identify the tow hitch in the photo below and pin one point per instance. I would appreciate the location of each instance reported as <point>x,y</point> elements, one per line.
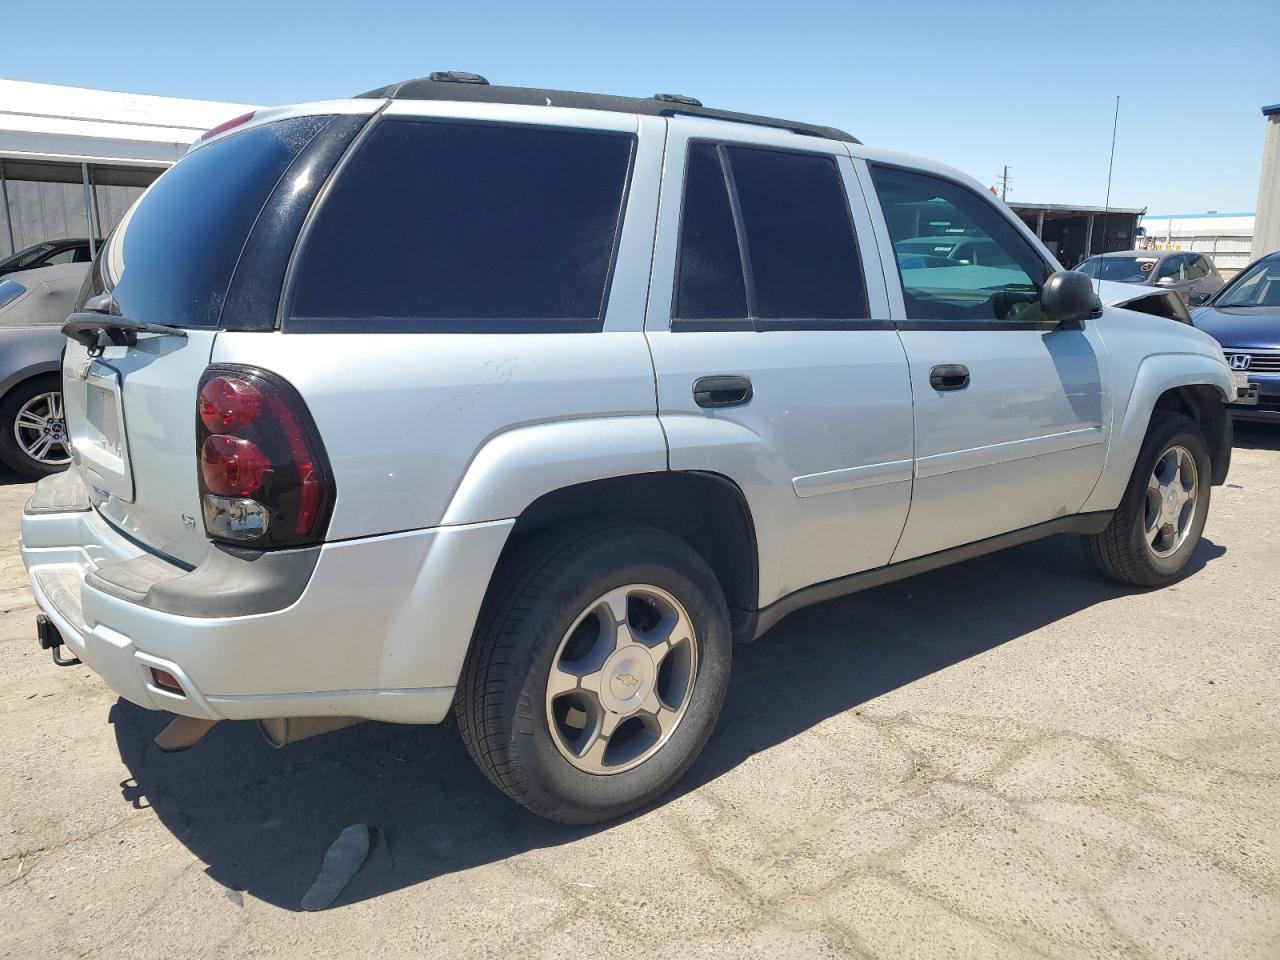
<point>51,640</point>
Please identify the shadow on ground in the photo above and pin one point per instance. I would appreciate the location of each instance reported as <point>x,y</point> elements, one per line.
<point>261,819</point>
<point>1257,436</point>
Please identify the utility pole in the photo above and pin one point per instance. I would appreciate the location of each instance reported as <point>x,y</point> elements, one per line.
<point>1004,182</point>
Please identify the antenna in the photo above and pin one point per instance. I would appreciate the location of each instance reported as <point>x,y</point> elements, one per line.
<point>1004,182</point>
<point>1106,209</point>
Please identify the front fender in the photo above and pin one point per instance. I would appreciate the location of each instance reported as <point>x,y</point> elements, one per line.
<point>1155,375</point>
<point>516,467</point>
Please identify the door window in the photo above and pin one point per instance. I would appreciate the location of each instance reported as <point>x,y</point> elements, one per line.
<point>1198,268</point>
<point>782,214</point>
<point>65,255</point>
<point>958,258</point>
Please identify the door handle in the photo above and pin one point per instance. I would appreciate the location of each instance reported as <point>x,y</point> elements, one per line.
<point>949,376</point>
<point>722,391</point>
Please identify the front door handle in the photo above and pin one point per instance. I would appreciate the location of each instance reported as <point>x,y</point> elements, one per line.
<point>722,391</point>
<point>949,376</point>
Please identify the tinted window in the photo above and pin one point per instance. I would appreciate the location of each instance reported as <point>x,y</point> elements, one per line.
<point>1002,284</point>
<point>10,290</point>
<point>437,225</point>
<point>171,258</point>
<point>1198,268</point>
<point>66,255</point>
<point>709,282</point>
<point>800,245</point>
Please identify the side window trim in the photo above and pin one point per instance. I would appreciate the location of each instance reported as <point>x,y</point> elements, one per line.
<point>752,322</point>
<point>893,273</point>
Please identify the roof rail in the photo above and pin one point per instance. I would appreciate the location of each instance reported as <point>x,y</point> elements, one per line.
<point>473,88</point>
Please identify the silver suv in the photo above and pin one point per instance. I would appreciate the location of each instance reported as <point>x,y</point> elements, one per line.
<point>530,404</point>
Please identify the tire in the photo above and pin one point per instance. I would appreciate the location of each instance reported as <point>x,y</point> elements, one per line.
<point>14,403</point>
<point>546,627</point>
<point>1123,551</point>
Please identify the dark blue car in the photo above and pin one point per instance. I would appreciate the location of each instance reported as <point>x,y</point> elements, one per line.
<point>1244,316</point>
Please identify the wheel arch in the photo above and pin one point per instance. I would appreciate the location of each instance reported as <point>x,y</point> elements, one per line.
<point>706,510</point>
<point>17,378</point>
<point>1191,383</point>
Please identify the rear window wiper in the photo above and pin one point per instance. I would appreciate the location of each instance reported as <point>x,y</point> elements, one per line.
<point>97,329</point>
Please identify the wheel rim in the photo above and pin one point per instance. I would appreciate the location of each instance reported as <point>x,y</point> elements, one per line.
<point>1172,493</point>
<point>41,429</point>
<point>621,679</point>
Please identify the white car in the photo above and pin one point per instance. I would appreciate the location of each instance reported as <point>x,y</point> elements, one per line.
<point>529,404</point>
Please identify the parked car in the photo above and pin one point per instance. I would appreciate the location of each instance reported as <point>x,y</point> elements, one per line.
<point>538,437</point>
<point>1245,318</point>
<point>33,306</point>
<point>1192,275</point>
<point>47,254</point>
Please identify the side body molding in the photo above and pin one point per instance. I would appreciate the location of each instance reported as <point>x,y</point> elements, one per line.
<point>516,467</point>
<point>1156,373</point>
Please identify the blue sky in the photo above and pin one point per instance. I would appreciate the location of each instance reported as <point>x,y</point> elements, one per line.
<point>977,85</point>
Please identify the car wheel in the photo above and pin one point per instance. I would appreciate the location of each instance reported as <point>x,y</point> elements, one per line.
<point>597,671</point>
<point>33,428</point>
<point>1157,527</point>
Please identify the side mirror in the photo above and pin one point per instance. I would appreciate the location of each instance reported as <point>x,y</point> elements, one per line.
<point>1068,299</point>
<point>1166,281</point>
<point>1198,299</point>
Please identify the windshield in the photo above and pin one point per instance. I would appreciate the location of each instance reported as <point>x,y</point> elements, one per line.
<point>1121,269</point>
<point>1258,286</point>
<point>10,290</point>
<point>25,257</point>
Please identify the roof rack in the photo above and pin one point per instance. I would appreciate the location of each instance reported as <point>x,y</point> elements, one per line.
<point>473,88</point>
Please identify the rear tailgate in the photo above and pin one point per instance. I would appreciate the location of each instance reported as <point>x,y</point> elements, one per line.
<point>131,412</point>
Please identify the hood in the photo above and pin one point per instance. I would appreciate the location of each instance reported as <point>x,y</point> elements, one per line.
<point>1245,328</point>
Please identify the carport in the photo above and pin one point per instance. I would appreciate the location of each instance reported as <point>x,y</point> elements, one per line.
<point>73,160</point>
<point>1073,233</point>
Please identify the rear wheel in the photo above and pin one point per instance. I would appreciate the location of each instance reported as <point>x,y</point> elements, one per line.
<point>33,428</point>
<point>597,671</point>
<point>1157,527</point>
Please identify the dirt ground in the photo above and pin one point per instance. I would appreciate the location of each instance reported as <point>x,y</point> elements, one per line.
<point>1007,758</point>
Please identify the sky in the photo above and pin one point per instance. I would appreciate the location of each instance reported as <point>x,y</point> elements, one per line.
<point>977,85</point>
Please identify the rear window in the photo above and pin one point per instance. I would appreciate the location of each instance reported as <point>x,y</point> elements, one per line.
<point>171,259</point>
<point>468,227</point>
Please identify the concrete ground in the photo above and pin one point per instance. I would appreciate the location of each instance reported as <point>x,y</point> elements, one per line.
<point>1007,758</point>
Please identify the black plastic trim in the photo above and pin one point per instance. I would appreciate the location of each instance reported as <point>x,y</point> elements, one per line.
<point>1043,325</point>
<point>257,283</point>
<point>766,617</point>
<point>229,582</point>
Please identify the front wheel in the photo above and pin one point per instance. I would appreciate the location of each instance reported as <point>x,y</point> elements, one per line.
<point>1158,524</point>
<point>597,671</point>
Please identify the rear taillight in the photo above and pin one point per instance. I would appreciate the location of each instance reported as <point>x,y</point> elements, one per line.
<point>264,477</point>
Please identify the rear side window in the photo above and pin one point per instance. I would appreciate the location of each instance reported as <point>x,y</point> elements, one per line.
<point>170,260</point>
<point>789,213</point>
<point>466,227</point>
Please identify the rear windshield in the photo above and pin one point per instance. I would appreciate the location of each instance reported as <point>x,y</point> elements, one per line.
<point>172,256</point>
<point>1120,269</point>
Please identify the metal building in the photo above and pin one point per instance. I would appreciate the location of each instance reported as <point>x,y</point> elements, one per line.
<point>72,160</point>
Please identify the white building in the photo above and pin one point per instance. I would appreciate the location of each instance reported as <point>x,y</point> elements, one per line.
<point>72,160</point>
<point>1225,238</point>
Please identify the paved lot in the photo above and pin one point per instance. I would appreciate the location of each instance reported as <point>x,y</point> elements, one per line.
<point>1008,758</point>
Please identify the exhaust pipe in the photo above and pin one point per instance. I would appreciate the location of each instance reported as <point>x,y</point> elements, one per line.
<point>280,731</point>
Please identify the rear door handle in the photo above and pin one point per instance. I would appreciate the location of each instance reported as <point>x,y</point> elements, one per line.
<point>722,391</point>
<point>949,376</point>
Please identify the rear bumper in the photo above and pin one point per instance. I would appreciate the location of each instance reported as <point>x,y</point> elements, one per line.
<point>374,627</point>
